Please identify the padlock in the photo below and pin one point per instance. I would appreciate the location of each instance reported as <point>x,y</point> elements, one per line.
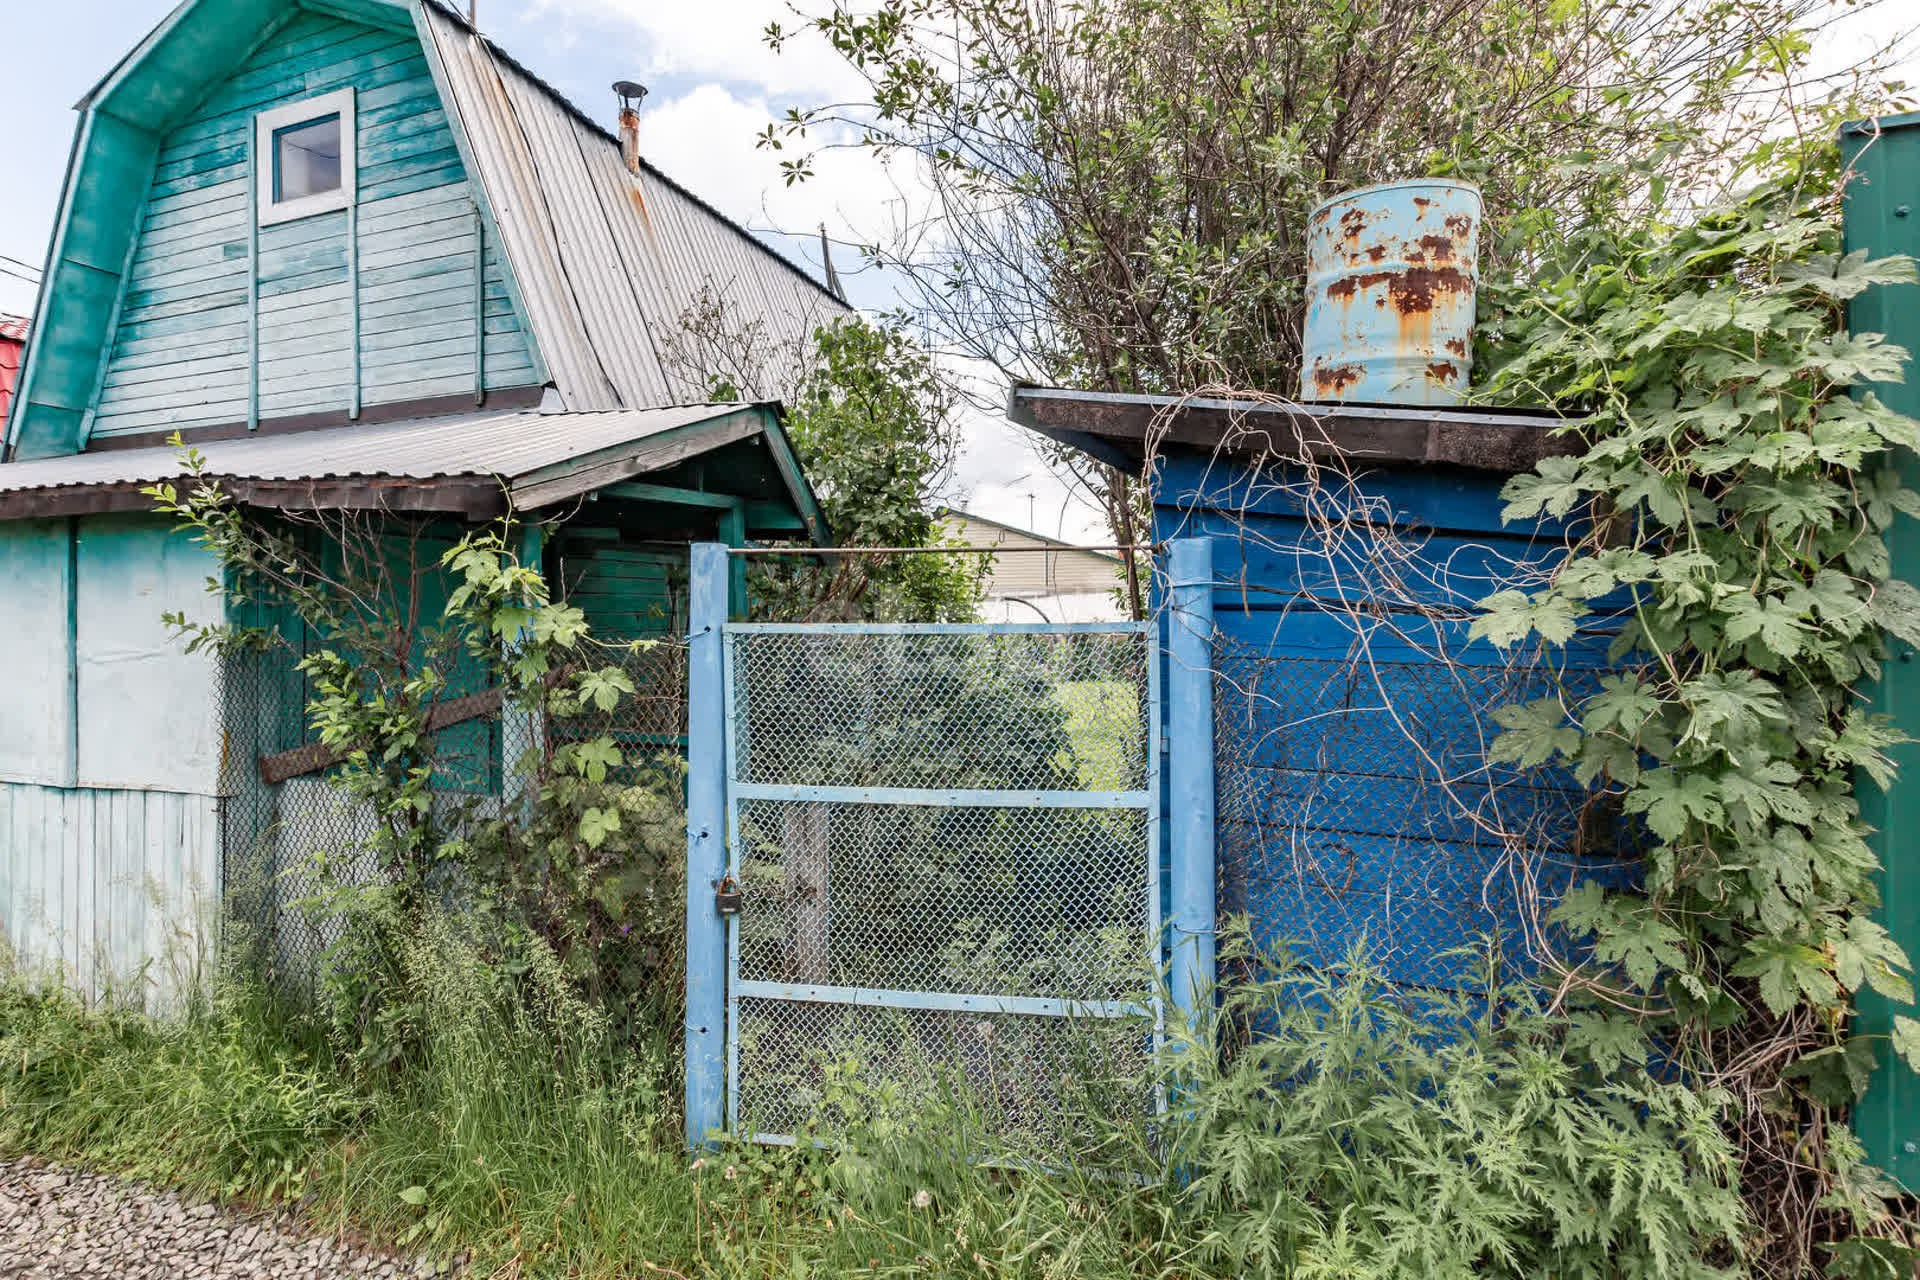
<point>726,899</point>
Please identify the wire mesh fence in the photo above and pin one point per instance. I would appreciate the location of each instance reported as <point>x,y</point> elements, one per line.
<point>945,850</point>
<point>1357,802</point>
<point>291,833</point>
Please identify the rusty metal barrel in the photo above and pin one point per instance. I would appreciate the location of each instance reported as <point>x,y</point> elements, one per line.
<point>1391,276</point>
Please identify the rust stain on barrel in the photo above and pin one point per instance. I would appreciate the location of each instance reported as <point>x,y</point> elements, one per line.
<point>1443,371</point>
<point>1458,346</point>
<point>1439,248</point>
<point>1331,380</point>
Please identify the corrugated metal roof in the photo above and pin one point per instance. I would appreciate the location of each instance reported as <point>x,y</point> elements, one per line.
<point>607,260</point>
<point>502,445</point>
<point>13,338</point>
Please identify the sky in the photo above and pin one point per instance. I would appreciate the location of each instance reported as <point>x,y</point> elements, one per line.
<point>714,85</point>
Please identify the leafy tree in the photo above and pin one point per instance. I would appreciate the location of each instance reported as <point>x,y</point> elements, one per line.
<point>1118,189</point>
<point>1743,562</point>
<point>876,427</point>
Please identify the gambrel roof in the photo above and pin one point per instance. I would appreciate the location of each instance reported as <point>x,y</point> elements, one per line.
<point>600,260</point>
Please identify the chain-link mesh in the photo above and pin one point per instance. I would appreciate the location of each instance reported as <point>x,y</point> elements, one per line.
<point>895,902</point>
<point>824,1066</point>
<point>1022,710</point>
<point>286,843</point>
<point>1037,902</point>
<point>1356,801</point>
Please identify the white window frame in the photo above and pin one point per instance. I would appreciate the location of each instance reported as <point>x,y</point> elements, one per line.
<point>265,159</point>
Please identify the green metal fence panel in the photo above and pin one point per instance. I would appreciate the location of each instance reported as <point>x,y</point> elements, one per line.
<point>1883,217</point>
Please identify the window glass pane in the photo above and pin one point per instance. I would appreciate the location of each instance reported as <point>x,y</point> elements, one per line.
<point>306,159</point>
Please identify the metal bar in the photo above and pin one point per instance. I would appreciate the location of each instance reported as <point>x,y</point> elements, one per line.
<point>706,845</point>
<point>1190,796</point>
<point>930,551</point>
<point>731,690</point>
<point>937,628</point>
<point>952,796</point>
<point>944,1001</point>
<point>1156,907</point>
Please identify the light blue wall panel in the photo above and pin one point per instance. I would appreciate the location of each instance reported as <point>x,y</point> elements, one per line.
<point>112,893</point>
<point>183,345</point>
<point>36,701</point>
<point>148,711</point>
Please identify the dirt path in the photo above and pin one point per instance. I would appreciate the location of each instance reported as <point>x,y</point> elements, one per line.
<point>56,1222</point>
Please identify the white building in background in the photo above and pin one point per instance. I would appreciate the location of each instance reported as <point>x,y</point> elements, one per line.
<point>1041,579</point>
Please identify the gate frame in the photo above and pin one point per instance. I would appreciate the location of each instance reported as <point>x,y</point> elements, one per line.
<point>1179,745</point>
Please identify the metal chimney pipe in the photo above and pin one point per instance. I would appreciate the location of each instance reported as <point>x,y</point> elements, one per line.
<point>631,95</point>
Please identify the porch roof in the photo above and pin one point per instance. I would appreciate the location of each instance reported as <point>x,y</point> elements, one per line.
<point>475,465</point>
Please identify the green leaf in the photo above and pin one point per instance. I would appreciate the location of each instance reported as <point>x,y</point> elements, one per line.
<point>1607,1040</point>
<point>1864,953</point>
<point>1533,733</point>
<point>1906,1040</point>
<point>1896,607</point>
<point>597,824</point>
<point>1508,617</point>
<point>1788,972</point>
<point>415,1195</point>
<point>1670,798</point>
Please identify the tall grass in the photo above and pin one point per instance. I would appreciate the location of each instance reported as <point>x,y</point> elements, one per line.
<point>1356,1134</point>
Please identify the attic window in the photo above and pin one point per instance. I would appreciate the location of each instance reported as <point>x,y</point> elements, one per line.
<point>304,157</point>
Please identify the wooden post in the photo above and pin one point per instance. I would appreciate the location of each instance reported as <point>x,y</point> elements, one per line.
<point>1189,755</point>
<point>706,1040</point>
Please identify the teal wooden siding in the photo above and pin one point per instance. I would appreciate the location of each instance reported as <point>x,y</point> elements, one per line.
<point>110,892</point>
<point>627,592</point>
<point>202,283</point>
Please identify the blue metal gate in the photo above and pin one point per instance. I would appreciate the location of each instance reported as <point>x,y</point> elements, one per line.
<point>942,866</point>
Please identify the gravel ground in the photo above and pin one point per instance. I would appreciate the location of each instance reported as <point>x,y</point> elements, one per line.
<point>56,1222</point>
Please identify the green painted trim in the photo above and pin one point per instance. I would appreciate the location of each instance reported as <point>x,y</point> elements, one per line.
<point>796,479</point>
<point>672,496</point>
<point>73,652</point>
<point>385,14</point>
<point>113,326</point>
<point>24,391</point>
<point>476,181</point>
<point>733,532</point>
<point>774,518</point>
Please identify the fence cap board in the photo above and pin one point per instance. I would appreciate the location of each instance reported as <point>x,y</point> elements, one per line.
<point>1122,429</point>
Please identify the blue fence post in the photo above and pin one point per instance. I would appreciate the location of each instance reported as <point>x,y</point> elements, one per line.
<point>706,1077</point>
<point>1189,758</point>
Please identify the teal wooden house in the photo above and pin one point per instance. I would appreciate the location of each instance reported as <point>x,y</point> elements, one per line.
<point>364,261</point>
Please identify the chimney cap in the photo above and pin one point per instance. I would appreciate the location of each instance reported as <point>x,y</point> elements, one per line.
<point>630,93</point>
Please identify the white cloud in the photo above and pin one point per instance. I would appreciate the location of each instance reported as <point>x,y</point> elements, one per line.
<point>706,139</point>
<point>723,40</point>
